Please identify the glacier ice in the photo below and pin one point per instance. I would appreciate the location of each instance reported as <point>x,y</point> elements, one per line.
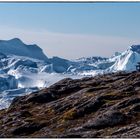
<point>17,47</point>
<point>23,72</point>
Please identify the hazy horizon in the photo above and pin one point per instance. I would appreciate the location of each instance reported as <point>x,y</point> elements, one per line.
<point>72,30</point>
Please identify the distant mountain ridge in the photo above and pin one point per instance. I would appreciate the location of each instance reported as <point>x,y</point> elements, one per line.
<point>124,61</point>
<point>17,47</point>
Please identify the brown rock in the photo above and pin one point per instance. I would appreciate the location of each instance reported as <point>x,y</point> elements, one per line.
<point>104,106</point>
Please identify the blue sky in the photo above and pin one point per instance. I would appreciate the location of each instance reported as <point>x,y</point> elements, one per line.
<point>64,28</point>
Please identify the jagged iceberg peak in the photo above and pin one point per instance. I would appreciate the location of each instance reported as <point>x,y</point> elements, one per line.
<point>16,40</point>
<point>16,47</point>
<point>13,41</point>
<point>135,48</point>
<point>128,60</point>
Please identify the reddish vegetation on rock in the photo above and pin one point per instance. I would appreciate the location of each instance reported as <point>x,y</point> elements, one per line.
<point>105,106</point>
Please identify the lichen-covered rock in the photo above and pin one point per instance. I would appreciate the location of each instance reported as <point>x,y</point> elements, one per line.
<point>108,119</point>
<point>105,106</point>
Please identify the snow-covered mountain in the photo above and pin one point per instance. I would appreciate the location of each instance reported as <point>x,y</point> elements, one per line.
<point>25,68</point>
<point>17,47</point>
<point>127,60</point>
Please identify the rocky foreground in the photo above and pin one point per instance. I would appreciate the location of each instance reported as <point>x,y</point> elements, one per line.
<point>106,106</point>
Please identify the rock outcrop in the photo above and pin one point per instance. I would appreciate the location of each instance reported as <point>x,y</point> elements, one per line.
<point>105,106</point>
